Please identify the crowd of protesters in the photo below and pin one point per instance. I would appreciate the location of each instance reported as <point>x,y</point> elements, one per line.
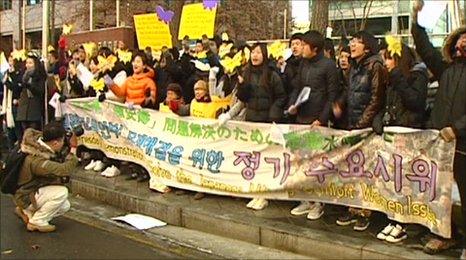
<point>366,83</point>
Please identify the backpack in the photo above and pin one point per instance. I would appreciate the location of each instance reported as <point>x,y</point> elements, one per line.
<point>10,173</point>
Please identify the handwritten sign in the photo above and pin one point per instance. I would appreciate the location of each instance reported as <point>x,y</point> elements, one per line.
<point>196,21</point>
<point>151,32</point>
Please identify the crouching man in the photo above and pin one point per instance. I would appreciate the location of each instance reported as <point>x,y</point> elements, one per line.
<point>42,194</point>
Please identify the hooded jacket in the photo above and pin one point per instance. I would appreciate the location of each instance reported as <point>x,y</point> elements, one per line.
<point>135,87</point>
<point>41,167</point>
<point>450,102</point>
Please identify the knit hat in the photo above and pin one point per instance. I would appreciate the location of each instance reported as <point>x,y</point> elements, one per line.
<point>200,84</point>
<point>175,88</point>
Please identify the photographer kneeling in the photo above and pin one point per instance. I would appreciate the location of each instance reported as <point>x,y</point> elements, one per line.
<point>42,194</point>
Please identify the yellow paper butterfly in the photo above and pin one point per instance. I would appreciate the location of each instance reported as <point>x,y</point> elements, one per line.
<point>50,48</point>
<point>394,45</point>
<point>90,48</point>
<point>19,55</point>
<point>124,56</point>
<point>106,63</point>
<point>67,28</point>
<point>98,85</point>
<point>276,49</point>
<point>230,64</point>
<point>224,49</point>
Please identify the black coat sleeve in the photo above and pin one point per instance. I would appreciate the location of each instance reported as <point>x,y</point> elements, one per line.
<point>276,110</point>
<point>332,81</point>
<point>426,50</point>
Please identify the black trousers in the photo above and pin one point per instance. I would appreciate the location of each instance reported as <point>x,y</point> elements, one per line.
<point>459,170</point>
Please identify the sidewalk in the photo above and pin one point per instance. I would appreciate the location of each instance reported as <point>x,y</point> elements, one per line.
<point>273,227</point>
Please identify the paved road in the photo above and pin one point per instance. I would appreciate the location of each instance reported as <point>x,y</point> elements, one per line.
<point>72,240</point>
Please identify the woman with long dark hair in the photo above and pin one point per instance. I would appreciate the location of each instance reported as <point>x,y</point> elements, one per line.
<point>31,101</point>
<point>261,89</point>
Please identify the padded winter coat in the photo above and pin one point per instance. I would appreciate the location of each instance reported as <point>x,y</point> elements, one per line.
<point>135,88</point>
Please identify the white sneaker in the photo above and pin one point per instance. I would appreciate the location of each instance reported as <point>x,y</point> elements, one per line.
<point>106,172</point>
<point>316,211</point>
<point>90,166</point>
<point>114,171</point>
<point>303,208</point>
<point>99,166</point>
<point>463,255</point>
<point>260,204</point>
<point>382,235</point>
<point>250,203</point>
<point>397,234</point>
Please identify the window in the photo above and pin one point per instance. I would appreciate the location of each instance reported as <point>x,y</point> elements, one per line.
<point>5,4</point>
<point>33,2</point>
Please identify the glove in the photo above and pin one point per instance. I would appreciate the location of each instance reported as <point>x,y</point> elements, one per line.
<point>62,98</point>
<point>447,134</point>
<point>102,97</point>
<point>108,80</point>
<point>223,118</point>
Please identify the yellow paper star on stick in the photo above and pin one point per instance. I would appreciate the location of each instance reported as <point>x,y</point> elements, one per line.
<point>67,28</point>
<point>230,64</point>
<point>89,48</point>
<point>224,49</point>
<point>106,64</point>
<point>276,49</point>
<point>124,56</point>
<point>98,85</point>
<point>394,45</point>
<point>19,55</point>
<point>201,55</point>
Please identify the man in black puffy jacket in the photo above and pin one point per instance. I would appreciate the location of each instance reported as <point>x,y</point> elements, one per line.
<point>318,73</point>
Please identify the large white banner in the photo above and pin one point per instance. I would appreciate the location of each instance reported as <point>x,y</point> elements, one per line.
<point>405,173</point>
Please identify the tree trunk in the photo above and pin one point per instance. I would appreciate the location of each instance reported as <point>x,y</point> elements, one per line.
<point>177,8</point>
<point>319,19</point>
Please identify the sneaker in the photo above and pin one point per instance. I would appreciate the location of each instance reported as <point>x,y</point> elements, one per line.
<point>382,235</point>
<point>361,223</point>
<point>20,213</point>
<point>316,211</point>
<point>44,229</point>
<point>437,244</point>
<point>90,166</point>
<point>347,219</point>
<point>99,166</point>
<point>132,176</point>
<point>260,204</point>
<point>303,208</point>
<point>397,234</point>
<point>251,203</point>
<point>114,171</point>
<point>106,172</point>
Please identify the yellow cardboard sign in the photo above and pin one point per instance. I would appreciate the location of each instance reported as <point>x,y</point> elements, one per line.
<point>211,109</point>
<point>152,32</point>
<point>196,21</point>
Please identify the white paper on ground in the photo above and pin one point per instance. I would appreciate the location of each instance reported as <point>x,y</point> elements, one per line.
<point>455,194</point>
<point>141,221</point>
